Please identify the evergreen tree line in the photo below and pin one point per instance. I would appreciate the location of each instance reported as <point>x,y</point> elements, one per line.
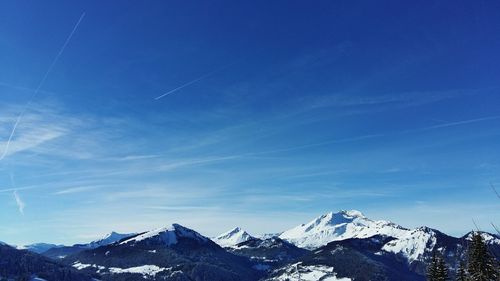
<point>479,265</point>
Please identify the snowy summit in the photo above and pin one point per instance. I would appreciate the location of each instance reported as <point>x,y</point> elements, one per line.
<point>109,238</point>
<point>167,235</point>
<point>232,237</point>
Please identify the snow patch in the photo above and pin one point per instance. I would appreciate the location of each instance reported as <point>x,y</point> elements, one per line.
<point>78,265</point>
<point>166,234</point>
<point>298,272</point>
<point>145,270</point>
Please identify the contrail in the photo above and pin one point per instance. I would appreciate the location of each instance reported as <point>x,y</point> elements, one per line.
<point>37,89</point>
<point>195,80</point>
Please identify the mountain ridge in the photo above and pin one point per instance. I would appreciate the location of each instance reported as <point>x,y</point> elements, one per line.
<point>332,245</point>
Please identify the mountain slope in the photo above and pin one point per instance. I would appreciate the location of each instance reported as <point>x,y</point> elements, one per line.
<point>39,247</point>
<point>350,259</point>
<point>169,253</point>
<point>64,251</point>
<point>269,252</point>
<point>411,246</point>
<point>24,265</point>
<point>339,226</point>
<point>232,237</point>
<point>108,239</point>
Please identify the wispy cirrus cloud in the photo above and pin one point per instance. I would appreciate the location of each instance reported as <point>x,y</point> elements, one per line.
<point>40,125</point>
<point>19,202</point>
<point>79,189</point>
<point>354,103</point>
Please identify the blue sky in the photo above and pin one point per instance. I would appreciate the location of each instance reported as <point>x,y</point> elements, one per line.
<point>296,109</point>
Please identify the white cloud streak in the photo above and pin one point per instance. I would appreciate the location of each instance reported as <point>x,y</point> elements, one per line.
<point>39,127</point>
<point>76,189</point>
<point>463,122</point>
<point>44,78</point>
<point>20,203</point>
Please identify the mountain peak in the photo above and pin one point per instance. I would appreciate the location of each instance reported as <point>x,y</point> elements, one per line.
<point>332,226</point>
<point>109,238</point>
<point>168,235</point>
<point>487,237</point>
<point>353,213</point>
<point>232,237</point>
<point>338,218</point>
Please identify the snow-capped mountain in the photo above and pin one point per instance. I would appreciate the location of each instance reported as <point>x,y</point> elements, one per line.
<point>488,238</point>
<point>339,226</point>
<point>350,259</point>
<point>232,237</point>
<point>109,238</point>
<point>167,236</point>
<point>334,246</point>
<point>415,246</point>
<point>174,252</point>
<point>63,251</point>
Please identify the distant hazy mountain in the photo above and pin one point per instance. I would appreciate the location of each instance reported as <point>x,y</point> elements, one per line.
<point>25,265</point>
<point>60,252</point>
<point>108,239</point>
<point>39,247</point>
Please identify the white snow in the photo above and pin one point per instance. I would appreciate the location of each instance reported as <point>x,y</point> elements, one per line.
<point>298,272</point>
<point>411,244</point>
<point>168,235</point>
<point>339,226</point>
<point>78,265</point>
<point>487,237</point>
<point>145,270</point>
<point>232,237</point>
<point>109,238</point>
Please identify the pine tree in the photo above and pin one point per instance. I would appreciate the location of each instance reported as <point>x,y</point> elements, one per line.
<point>461,274</point>
<point>482,265</point>
<point>437,270</point>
